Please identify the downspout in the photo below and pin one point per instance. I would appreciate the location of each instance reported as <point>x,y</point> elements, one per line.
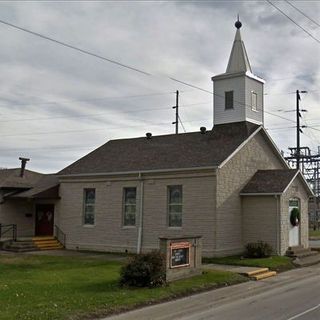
<point>140,224</point>
<point>278,223</point>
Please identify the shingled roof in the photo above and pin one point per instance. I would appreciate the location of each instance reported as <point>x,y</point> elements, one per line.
<point>187,150</point>
<point>10,178</point>
<point>31,185</point>
<point>46,187</point>
<point>269,181</point>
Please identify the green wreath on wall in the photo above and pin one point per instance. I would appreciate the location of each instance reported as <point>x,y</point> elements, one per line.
<point>295,217</point>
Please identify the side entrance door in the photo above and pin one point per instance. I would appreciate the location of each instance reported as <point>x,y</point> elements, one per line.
<point>294,231</point>
<point>44,219</point>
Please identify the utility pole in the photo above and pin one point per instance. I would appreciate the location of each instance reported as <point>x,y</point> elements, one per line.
<point>177,112</point>
<point>298,128</point>
<point>298,114</point>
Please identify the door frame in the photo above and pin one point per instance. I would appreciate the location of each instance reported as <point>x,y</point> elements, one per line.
<point>37,205</point>
<point>290,226</point>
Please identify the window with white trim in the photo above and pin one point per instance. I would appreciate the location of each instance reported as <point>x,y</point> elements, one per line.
<point>175,206</point>
<point>254,101</point>
<point>89,206</point>
<point>228,100</point>
<point>129,206</point>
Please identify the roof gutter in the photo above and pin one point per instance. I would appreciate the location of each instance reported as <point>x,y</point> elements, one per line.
<point>136,172</point>
<point>260,194</point>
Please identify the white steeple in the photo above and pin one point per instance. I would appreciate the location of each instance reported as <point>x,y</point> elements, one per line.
<point>238,60</point>
<point>238,93</point>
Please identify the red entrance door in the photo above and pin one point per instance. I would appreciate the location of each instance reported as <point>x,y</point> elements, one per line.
<point>44,219</point>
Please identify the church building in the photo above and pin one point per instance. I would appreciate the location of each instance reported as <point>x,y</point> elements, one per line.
<point>229,185</point>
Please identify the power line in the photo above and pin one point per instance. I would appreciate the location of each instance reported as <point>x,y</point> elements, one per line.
<point>71,147</point>
<point>97,129</point>
<point>278,94</point>
<point>190,85</point>
<point>94,55</point>
<point>298,25</point>
<point>74,48</point>
<point>100,114</point>
<point>314,128</point>
<point>276,115</point>
<point>281,128</point>
<point>103,58</point>
<point>314,75</point>
<point>96,99</point>
<point>118,63</point>
<point>184,129</point>
<point>293,6</point>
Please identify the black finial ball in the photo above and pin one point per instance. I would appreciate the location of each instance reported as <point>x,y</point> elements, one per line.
<point>238,24</point>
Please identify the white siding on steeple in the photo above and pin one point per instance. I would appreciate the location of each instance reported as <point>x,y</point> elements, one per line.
<point>221,115</point>
<point>257,87</point>
<point>239,79</point>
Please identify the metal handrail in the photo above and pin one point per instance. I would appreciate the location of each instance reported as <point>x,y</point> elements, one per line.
<point>60,235</point>
<point>6,228</point>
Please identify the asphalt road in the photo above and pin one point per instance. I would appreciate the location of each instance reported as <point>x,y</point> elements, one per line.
<point>314,243</point>
<point>291,295</point>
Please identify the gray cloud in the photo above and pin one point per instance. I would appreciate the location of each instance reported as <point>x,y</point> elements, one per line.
<point>90,98</point>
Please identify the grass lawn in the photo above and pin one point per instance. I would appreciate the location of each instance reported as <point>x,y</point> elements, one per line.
<point>314,233</point>
<point>48,287</point>
<point>275,263</point>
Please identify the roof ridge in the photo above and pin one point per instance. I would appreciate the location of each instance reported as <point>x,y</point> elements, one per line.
<point>169,151</point>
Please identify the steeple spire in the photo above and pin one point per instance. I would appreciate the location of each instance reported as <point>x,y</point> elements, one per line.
<point>238,61</point>
<point>238,93</point>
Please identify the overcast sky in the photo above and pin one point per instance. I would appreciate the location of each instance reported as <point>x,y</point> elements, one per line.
<point>57,104</point>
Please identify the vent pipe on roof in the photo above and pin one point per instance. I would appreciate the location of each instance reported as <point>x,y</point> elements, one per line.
<point>23,165</point>
<point>148,135</point>
<point>203,130</point>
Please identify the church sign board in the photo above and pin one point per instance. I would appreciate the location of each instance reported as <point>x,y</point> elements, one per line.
<point>180,254</point>
<point>183,256</point>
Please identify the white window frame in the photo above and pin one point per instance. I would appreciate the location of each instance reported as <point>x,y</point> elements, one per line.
<point>225,100</point>
<point>254,98</point>
<point>169,204</point>
<point>125,205</point>
<point>88,205</point>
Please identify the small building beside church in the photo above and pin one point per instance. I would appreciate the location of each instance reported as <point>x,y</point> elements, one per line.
<point>230,184</point>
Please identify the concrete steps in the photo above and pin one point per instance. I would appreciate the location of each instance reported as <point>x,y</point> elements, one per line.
<point>19,246</point>
<point>260,274</point>
<point>34,244</point>
<point>303,256</point>
<point>47,243</point>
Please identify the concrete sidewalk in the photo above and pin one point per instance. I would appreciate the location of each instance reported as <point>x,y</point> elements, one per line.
<point>235,269</point>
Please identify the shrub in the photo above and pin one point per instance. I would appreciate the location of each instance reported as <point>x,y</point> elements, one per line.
<point>144,270</point>
<point>258,249</point>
